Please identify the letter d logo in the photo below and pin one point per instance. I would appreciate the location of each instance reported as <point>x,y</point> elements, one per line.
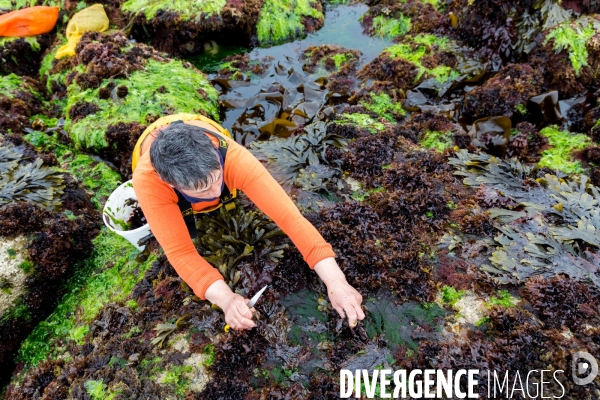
<point>578,367</point>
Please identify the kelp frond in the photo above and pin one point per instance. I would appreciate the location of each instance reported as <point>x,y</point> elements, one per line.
<point>29,182</point>
<point>286,157</point>
<point>231,236</point>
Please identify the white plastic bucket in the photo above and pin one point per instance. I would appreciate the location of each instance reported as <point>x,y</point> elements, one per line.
<point>115,211</point>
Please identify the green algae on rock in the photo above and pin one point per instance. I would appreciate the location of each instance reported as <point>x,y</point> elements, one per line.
<point>331,58</point>
<point>108,275</point>
<point>185,10</point>
<point>439,141</point>
<point>362,120</point>
<point>20,99</point>
<point>158,88</point>
<point>283,20</point>
<point>414,59</point>
<point>559,156</point>
<point>391,27</point>
<point>383,105</point>
<point>96,176</point>
<point>574,38</point>
<point>111,81</point>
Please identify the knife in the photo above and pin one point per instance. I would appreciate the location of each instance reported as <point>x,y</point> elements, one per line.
<point>251,303</point>
<point>255,298</point>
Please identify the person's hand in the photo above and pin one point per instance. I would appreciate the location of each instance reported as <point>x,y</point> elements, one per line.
<point>346,301</point>
<point>237,313</point>
<point>344,298</point>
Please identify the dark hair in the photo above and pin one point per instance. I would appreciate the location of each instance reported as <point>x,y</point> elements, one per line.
<point>183,156</point>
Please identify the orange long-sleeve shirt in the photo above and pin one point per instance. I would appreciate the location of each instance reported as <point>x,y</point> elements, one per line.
<point>242,171</point>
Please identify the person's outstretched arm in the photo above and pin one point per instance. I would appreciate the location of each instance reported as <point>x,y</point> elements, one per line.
<point>246,173</point>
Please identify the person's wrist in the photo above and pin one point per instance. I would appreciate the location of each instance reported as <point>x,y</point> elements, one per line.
<point>334,283</point>
<point>329,271</point>
<point>219,293</point>
<point>227,299</point>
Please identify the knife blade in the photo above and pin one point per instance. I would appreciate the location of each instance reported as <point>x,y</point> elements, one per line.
<point>255,298</point>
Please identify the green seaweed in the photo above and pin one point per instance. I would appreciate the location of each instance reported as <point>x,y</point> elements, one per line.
<point>405,50</point>
<point>391,27</point>
<point>96,176</point>
<point>47,63</point>
<point>185,9</point>
<point>176,377</point>
<point>18,4</point>
<point>31,40</point>
<point>18,310</point>
<point>181,95</point>
<point>439,141</point>
<point>362,120</point>
<point>450,295</point>
<point>360,195</point>
<point>78,333</point>
<point>572,37</point>
<point>563,144</point>
<point>504,299</point>
<point>96,389</point>
<point>281,20</point>
<point>108,275</point>
<point>9,84</point>
<point>26,266</point>
<point>341,58</point>
<point>209,352</point>
<point>382,104</point>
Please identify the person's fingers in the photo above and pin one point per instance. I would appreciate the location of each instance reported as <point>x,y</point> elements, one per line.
<point>242,321</point>
<point>243,310</point>
<point>340,311</point>
<point>359,312</point>
<point>359,298</point>
<point>351,313</point>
